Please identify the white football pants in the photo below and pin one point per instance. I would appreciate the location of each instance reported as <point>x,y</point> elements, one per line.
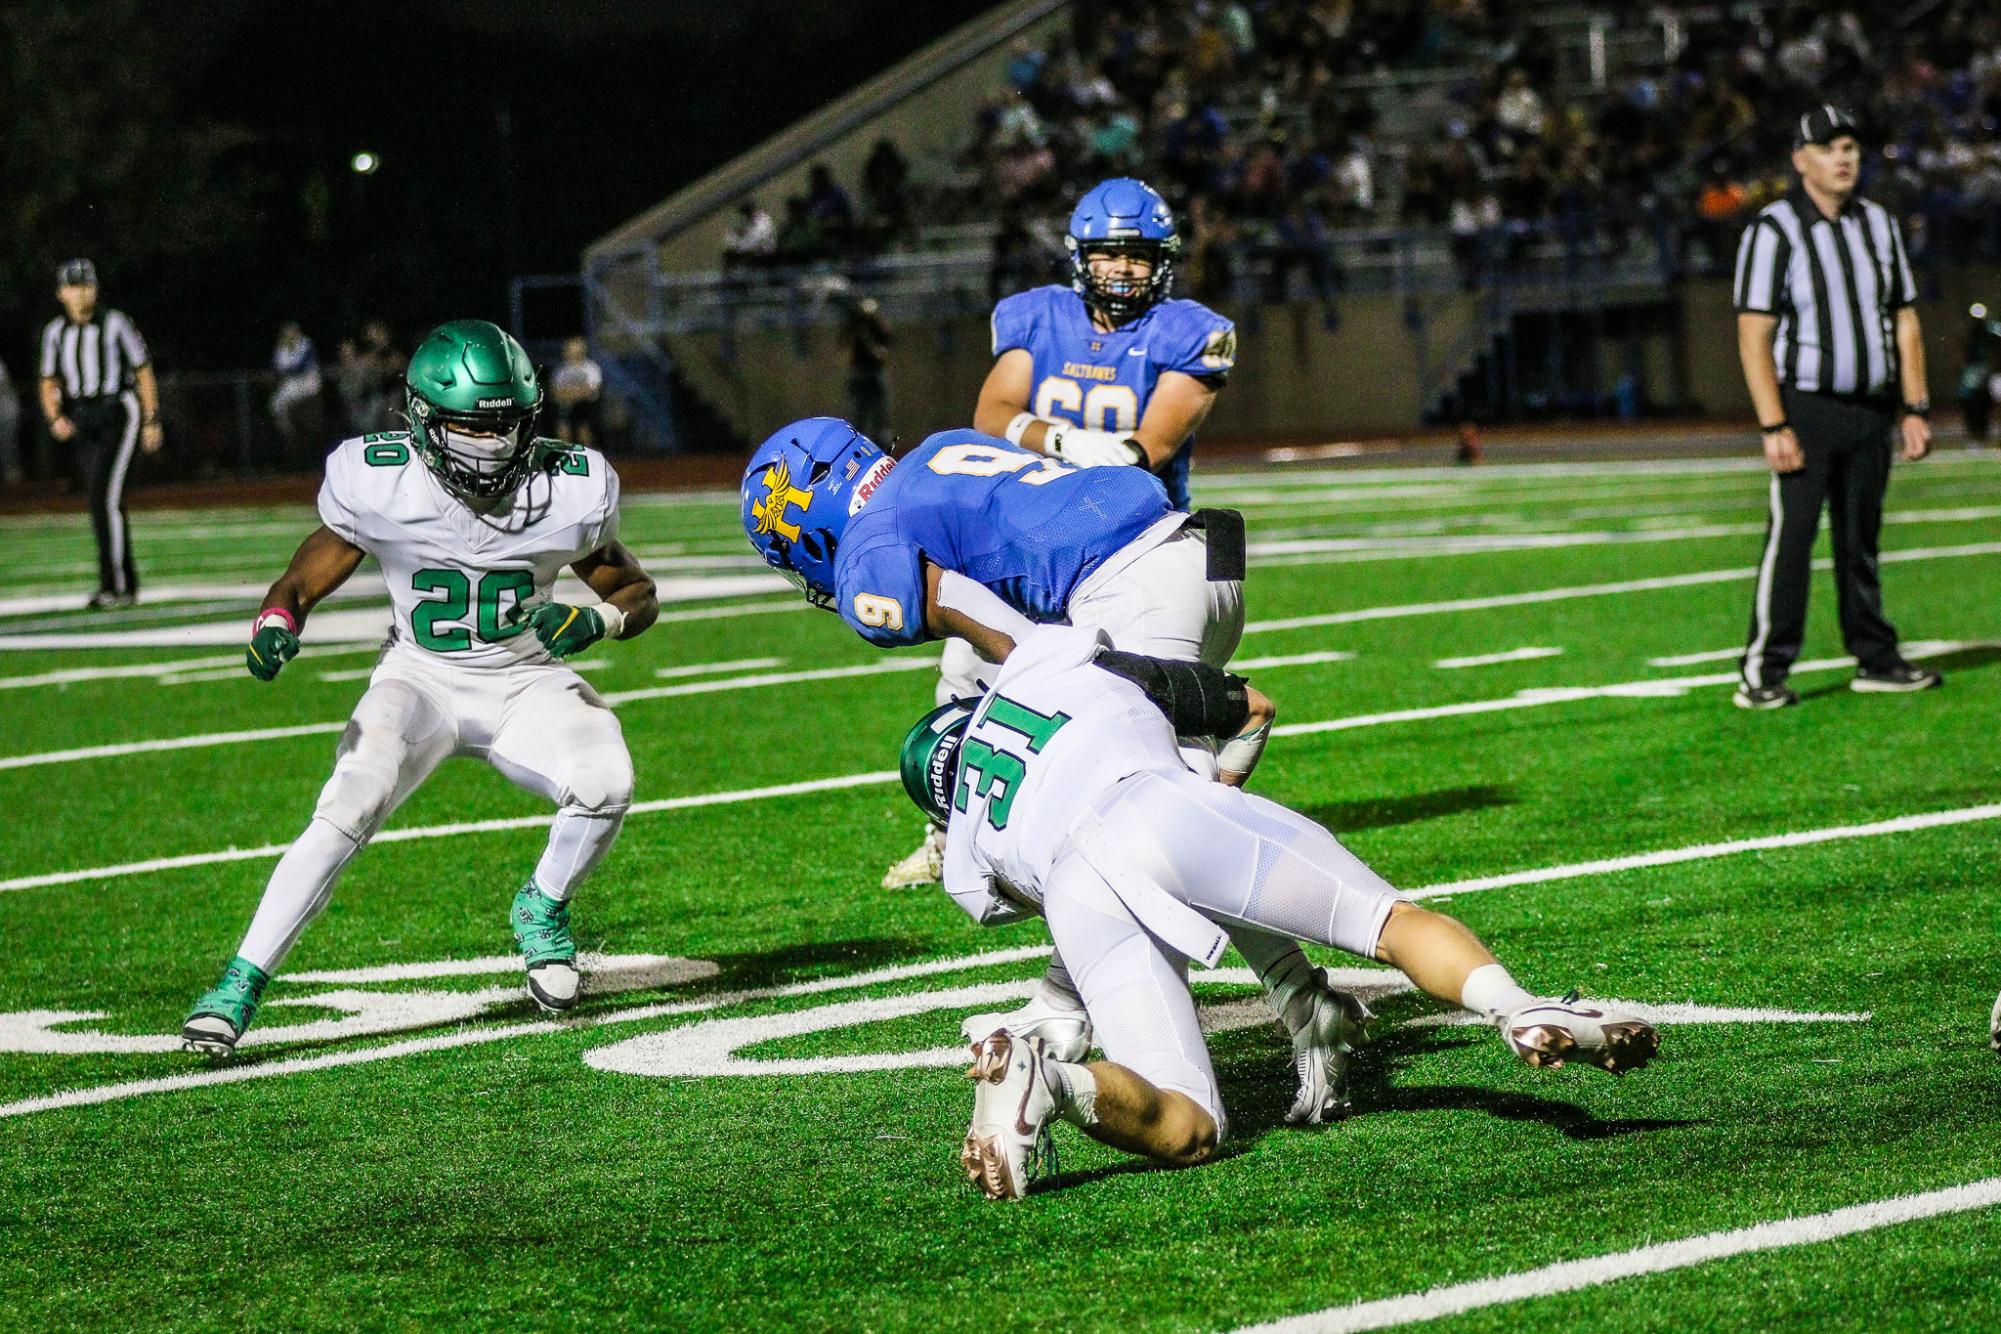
<point>540,724</point>
<point>1236,858</point>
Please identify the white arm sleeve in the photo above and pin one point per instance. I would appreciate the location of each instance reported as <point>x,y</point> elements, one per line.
<point>982,604</point>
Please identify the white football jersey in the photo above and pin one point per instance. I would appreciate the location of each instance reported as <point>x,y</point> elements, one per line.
<point>455,573</point>
<point>1054,734</point>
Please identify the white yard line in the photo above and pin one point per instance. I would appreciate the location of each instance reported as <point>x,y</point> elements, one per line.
<point>1666,688</point>
<point>1491,659</point>
<point>1660,1258</point>
<point>1691,659</point>
<point>1401,611</point>
<point>237,1074</point>
<point>1289,660</point>
<point>704,668</point>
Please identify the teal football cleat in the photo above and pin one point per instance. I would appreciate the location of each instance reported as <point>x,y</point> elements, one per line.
<point>542,934</point>
<point>218,1019</point>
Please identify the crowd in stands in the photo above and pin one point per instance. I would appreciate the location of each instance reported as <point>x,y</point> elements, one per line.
<point>1260,119</point>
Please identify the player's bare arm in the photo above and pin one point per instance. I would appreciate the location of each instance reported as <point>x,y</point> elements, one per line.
<point>322,564</point>
<point>955,606</point>
<point>1177,409</point>
<point>614,574</point>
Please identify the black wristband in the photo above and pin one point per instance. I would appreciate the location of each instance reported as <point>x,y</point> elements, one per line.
<point>1775,428</point>
<point>1922,408</point>
<point>1198,699</point>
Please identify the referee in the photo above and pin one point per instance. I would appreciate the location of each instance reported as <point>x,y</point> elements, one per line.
<point>92,363</point>
<point>1835,362</point>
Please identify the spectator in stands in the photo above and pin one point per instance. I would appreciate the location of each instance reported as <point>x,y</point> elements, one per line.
<point>886,192</point>
<point>1016,260</point>
<point>294,404</point>
<point>752,240</point>
<point>1721,205</point>
<point>830,208</point>
<point>576,387</point>
<point>370,376</point>
<point>800,240</point>
<point>1519,108</point>
<point>868,341</point>
<point>10,431</point>
<point>1300,241</point>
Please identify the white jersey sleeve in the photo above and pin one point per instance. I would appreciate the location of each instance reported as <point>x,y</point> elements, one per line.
<point>1054,734</point>
<point>457,575</point>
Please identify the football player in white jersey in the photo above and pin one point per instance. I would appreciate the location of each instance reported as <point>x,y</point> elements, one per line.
<point>1065,795</point>
<point>470,517</point>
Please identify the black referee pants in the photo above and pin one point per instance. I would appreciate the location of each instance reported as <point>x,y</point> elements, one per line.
<point>1847,448</point>
<point>107,433</point>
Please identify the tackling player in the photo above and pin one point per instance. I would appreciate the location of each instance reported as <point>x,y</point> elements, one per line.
<point>1066,796</point>
<point>1106,371</point>
<point>471,517</point>
<point>974,537</point>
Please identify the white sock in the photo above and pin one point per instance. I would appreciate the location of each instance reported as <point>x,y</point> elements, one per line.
<point>1490,992</point>
<point>1076,1091</point>
<point>578,841</point>
<point>1288,976</point>
<point>300,886</point>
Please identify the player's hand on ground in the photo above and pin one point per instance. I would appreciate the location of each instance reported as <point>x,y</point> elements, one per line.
<point>270,649</point>
<point>565,630</point>
<point>1782,451</point>
<point>1917,436</point>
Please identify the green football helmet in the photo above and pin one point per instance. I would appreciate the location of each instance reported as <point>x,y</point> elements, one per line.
<point>929,761</point>
<point>472,396</point>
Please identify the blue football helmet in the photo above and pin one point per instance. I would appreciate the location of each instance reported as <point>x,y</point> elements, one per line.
<point>802,486</point>
<point>1122,215</point>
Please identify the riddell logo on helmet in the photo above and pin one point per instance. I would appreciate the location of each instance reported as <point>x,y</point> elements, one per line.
<point>866,487</point>
<point>496,402</point>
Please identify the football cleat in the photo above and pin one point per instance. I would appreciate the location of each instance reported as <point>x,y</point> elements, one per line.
<point>1320,1050</point>
<point>542,934</point>
<point>1764,697</point>
<point>1009,1144</point>
<point>1994,1026</point>
<point>1550,1032</point>
<point>1903,679</point>
<point>1063,1030</point>
<point>924,866</point>
<point>219,1018</point>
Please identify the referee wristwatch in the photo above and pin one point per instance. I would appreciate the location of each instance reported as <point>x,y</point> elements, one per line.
<point>1921,408</point>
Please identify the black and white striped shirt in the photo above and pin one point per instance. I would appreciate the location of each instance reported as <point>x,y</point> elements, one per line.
<point>94,359</point>
<point>1836,285</point>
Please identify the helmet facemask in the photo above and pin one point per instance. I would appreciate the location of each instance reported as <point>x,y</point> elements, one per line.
<point>482,454</point>
<point>1121,300</point>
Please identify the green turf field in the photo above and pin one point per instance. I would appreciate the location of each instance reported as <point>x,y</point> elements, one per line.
<point>409,1149</point>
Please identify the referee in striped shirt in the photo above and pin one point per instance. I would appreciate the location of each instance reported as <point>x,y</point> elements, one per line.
<point>1835,362</point>
<point>100,397</point>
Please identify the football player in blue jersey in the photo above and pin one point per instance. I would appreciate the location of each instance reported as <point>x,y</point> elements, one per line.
<point>971,536</point>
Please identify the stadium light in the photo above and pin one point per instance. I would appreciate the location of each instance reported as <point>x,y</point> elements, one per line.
<point>364,164</point>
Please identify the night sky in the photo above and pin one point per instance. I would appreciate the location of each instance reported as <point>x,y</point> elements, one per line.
<point>511,133</point>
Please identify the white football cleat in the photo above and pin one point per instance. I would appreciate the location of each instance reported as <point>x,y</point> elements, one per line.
<point>1320,1050</point>
<point>924,866</point>
<point>1550,1032</point>
<point>1063,1030</point>
<point>553,986</point>
<point>1994,1026</point>
<point>1009,1143</point>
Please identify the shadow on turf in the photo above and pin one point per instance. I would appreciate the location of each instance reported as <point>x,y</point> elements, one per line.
<point>1387,812</point>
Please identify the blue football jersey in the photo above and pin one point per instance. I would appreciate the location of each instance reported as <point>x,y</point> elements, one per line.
<point>1027,526</point>
<point>1102,381</point>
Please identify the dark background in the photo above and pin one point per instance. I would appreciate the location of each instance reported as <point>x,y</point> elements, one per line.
<point>198,150</point>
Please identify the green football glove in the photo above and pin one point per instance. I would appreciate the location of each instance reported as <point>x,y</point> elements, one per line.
<point>565,630</point>
<point>270,649</point>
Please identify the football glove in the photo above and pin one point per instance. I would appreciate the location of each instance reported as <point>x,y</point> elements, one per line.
<point>1092,449</point>
<point>565,630</point>
<point>270,649</point>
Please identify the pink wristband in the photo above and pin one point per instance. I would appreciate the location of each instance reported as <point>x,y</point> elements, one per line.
<point>275,613</point>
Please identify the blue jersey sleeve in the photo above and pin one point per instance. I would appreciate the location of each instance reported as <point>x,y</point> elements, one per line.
<point>1197,341</point>
<point>879,590</point>
<point>1014,321</point>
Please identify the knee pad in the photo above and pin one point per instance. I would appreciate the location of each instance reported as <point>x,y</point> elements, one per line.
<point>600,782</point>
<point>357,798</point>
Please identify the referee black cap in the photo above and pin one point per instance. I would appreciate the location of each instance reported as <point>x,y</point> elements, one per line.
<point>1823,125</point>
<point>76,273</point>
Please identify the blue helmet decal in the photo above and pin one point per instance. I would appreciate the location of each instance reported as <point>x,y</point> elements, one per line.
<point>801,487</point>
<point>1122,215</point>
